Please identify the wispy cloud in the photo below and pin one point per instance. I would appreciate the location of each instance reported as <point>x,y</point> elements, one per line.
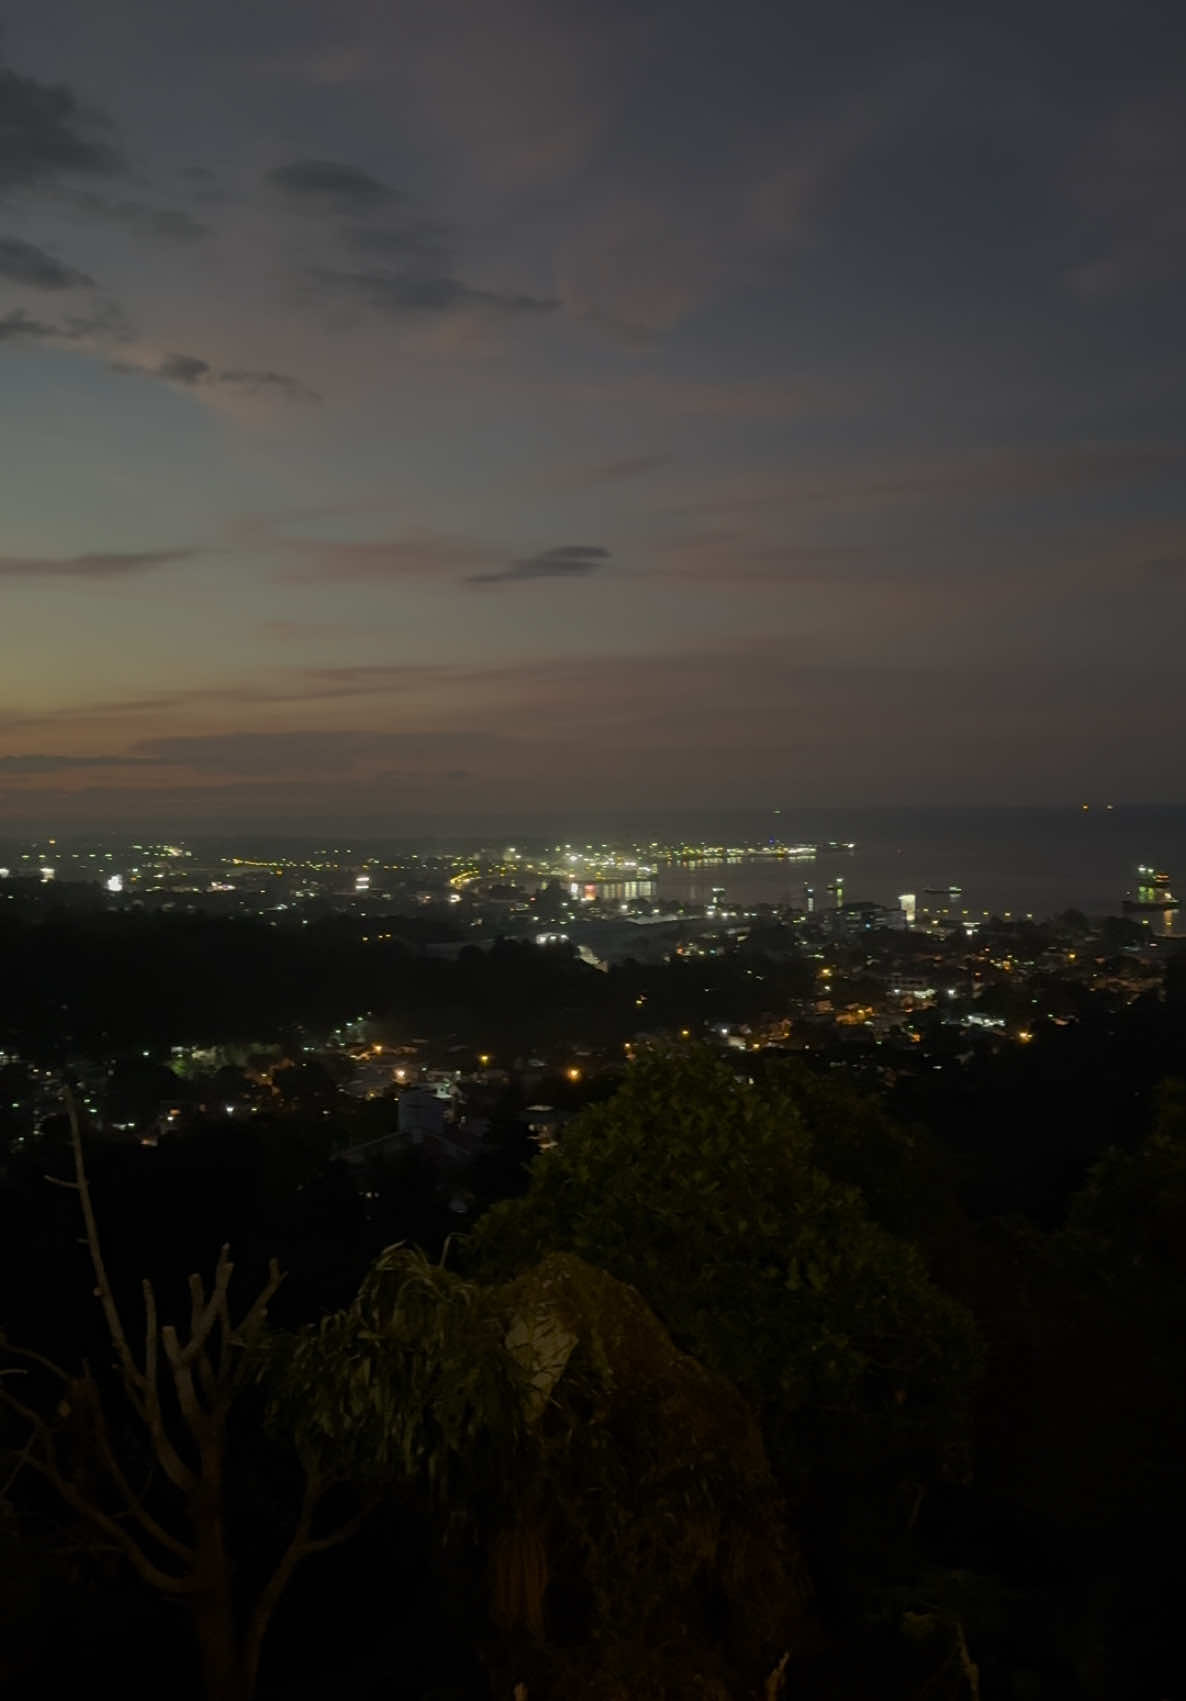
<point>404,295</point>
<point>411,239</point>
<point>26,264</point>
<point>19,327</point>
<point>48,134</point>
<point>417,278</point>
<point>255,383</point>
<point>369,216</point>
<point>566,561</point>
<point>413,556</point>
<point>192,372</point>
<point>324,185</point>
<point>524,89</point>
<point>142,219</point>
<point>59,764</point>
<point>110,564</point>
<point>102,324</point>
<point>1127,187</point>
<point>312,751</point>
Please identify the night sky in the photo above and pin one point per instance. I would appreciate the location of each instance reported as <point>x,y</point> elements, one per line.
<point>421,411</point>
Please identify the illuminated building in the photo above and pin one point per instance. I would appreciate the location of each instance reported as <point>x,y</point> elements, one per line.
<point>862,917</point>
<point>421,1113</point>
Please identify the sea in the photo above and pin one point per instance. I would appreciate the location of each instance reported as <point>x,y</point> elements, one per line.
<point>1019,862</point>
<point>1005,861</point>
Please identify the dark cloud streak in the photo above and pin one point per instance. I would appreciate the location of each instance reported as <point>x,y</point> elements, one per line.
<point>325,185</point>
<point>566,561</point>
<point>257,383</point>
<point>192,372</point>
<point>399,295</point>
<point>104,322</point>
<point>168,225</point>
<point>183,369</point>
<point>58,764</point>
<point>25,263</point>
<point>415,239</point>
<point>45,133</point>
<point>17,327</point>
<point>113,564</point>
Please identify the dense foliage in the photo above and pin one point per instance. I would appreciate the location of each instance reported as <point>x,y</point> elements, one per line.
<point>749,1363</point>
<point>705,1192</point>
<point>615,1486</point>
<point>97,984</point>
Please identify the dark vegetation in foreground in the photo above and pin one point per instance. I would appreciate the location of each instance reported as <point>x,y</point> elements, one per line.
<point>752,1364</point>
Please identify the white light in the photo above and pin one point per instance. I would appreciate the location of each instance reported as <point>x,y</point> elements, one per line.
<point>115,883</point>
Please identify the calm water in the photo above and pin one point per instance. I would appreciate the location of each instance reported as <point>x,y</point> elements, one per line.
<point>1023,861</point>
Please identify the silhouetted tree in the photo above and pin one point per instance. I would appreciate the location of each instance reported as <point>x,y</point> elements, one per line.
<point>179,1394</point>
<point>702,1191</point>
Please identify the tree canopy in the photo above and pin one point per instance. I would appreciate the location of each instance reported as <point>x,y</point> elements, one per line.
<point>702,1189</point>
<point>619,1489</point>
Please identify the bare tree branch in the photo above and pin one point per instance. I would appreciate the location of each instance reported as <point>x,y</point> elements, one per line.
<point>115,1327</point>
<point>148,1404</point>
<point>22,1459</point>
<point>301,1545</point>
<point>199,1329</point>
<point>205,1313</point>
<point>206,1369</point>
<point>183,1383</point>
<point>47,1466</point>
<point>127,1493</point>
<point>38,1359</point>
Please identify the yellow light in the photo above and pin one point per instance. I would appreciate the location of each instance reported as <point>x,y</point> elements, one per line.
<point>483,1058</point>
<point>1025,1037</point>
<point>574,1074</point>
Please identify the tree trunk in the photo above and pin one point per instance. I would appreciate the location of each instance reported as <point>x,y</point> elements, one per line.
<point>223,1667</point>
<point>222,1663</point>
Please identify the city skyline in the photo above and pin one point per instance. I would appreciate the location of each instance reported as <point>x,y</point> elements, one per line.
<point>431,413</point>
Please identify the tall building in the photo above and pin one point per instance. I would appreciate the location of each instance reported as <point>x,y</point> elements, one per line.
<point>421,1112</point>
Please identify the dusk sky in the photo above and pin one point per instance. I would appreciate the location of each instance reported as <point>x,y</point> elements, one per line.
<point>420,411</point>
